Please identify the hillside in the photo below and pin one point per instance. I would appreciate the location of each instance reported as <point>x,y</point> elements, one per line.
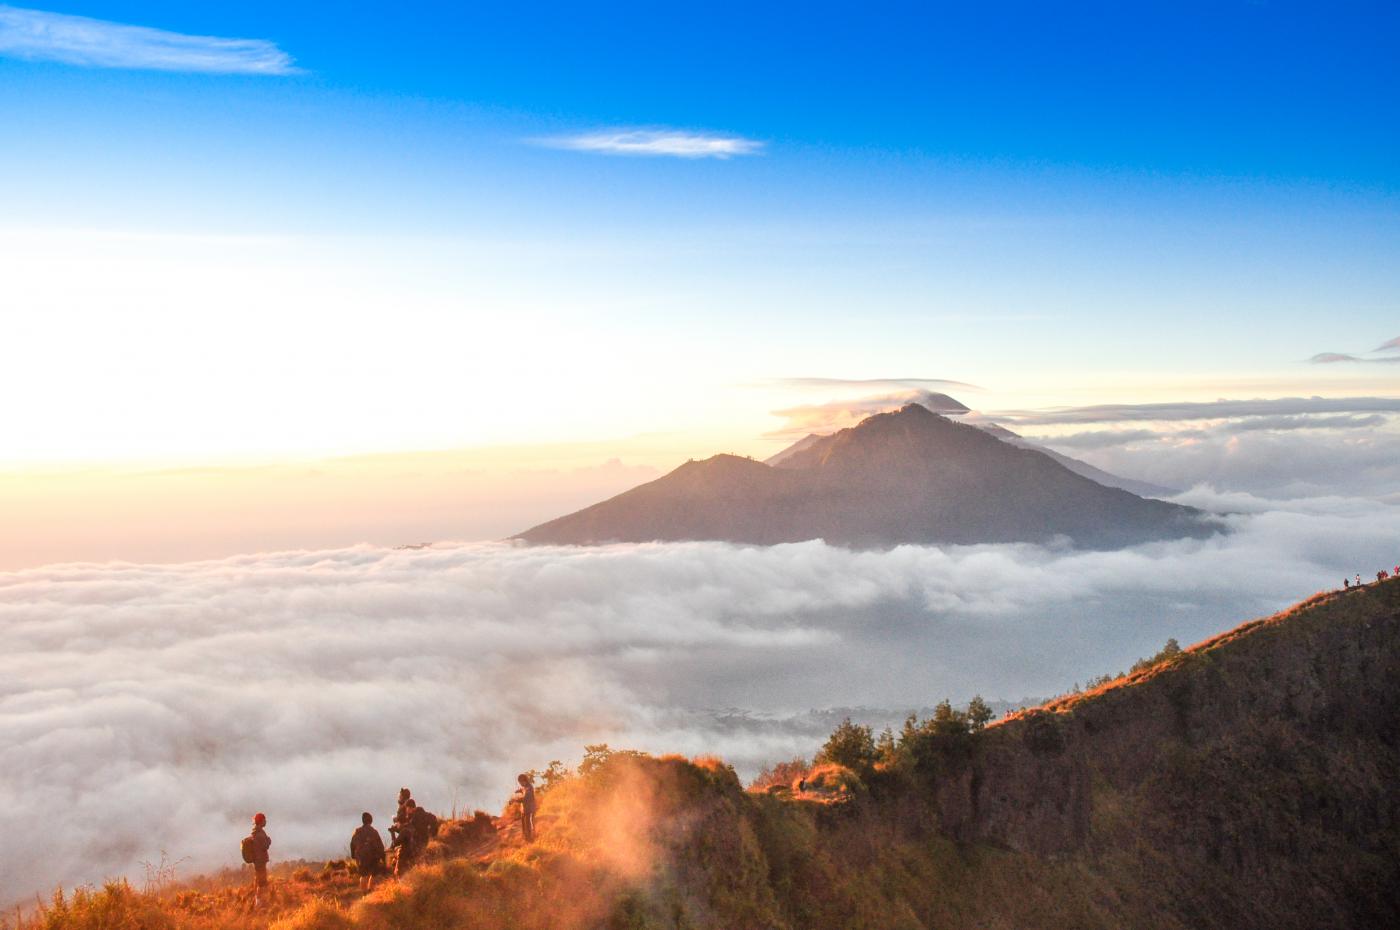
<point>1253,781</point>
<point>910,476</point>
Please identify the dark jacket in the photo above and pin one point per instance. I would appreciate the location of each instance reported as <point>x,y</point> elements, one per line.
<point>261,844</point>
<point>367,847</point>
<point>527,798</point>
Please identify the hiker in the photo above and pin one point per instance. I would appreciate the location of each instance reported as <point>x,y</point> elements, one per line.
<point>525,794</point>
<point>367,849</point>
<point>424,826</point>
<point>406,838</point>
<point>255,852</point>
<point>1358,579</point>
<point>401,816</point>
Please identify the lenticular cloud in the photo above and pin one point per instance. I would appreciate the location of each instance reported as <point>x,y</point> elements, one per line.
<point>150,708</point>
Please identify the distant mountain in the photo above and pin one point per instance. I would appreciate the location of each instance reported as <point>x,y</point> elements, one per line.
<point>1108,479</point>
<point>909,476</point>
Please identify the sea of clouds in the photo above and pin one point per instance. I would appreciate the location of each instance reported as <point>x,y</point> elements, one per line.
<point>150,708</point>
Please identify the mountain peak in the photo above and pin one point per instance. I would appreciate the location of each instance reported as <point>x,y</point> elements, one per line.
<point>905,476</point>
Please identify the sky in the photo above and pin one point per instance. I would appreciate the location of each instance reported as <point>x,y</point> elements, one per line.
<point>274,230</point>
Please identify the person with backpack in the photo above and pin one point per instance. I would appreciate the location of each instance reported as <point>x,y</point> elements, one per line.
<point>400,816</point>
<point>525,794</point>
<point>367,849</point>
<point>424,825</point>
<point>406,840</point>
<point>255,852</point>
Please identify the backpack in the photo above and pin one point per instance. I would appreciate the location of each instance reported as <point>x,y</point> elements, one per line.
<point>249,849</point>
<point>432,824</point>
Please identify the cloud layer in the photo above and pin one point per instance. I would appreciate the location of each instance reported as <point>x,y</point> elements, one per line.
<point>147,708</point>
<point>674,143</point>
<point>95,43</point>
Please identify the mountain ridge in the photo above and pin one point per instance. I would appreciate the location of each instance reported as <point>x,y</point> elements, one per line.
<point>905,476</point>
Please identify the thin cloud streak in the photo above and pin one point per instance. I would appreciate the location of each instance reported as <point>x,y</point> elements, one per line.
<point>37,35</point>
<point>672,143</point>
<point>1208,410</point>
<point>1332,358</point>
<point>1390,345</point>
<point>829,417</point>
<point>910,383</point>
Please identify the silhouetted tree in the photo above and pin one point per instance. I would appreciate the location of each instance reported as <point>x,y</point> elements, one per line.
<point>979,713</point>
<point>851,745</point>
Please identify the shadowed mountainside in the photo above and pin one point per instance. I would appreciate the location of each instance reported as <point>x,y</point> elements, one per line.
<point>1252,781</point>
<point>910,476</point>
<point>1083,469</point>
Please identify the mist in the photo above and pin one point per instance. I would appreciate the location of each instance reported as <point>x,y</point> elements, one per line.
<point>148,708</point>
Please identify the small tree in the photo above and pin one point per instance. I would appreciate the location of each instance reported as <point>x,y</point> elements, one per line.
<point>979,713</point>
<point>885,749</point>
<point>851,745</point>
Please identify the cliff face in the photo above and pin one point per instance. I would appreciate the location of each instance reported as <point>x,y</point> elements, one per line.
<point>1254,781</point>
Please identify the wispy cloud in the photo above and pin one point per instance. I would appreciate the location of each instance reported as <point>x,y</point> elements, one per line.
<point>839,414</point>
<point>1208,410</point>
<point>906,383</point>
<point>673,143</point>
<point>1332,358</point>
<point>94,43</point>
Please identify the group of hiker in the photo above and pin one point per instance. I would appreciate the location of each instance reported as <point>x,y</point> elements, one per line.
<point>1382,575</point>
<point>413,827</point>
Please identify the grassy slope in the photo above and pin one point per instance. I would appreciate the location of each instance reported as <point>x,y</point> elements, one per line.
<point>1252,782</point>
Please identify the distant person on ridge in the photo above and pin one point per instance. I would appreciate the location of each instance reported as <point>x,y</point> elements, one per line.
<point>255,852</point>
<point>1346,584</point>
<point>525,794</point>
<point>367,849</point>
<point>1358,579</point>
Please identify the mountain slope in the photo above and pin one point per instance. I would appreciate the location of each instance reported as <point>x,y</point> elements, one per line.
<point>1084,469</point>
<point>1250,782</point>
<point>909,476</point>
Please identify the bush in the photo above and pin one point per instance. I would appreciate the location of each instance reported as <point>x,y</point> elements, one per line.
<point>780,774</point>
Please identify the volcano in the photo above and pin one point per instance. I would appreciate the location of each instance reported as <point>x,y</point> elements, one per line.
<point>907,476</point>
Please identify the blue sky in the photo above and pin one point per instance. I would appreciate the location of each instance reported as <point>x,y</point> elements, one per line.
<point>1058,201</point>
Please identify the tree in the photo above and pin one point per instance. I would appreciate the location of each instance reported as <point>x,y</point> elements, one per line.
<point>885,747</point>
<point>979,713</point>
<point>851,745</point>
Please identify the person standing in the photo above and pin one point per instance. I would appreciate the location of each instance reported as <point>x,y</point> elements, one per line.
<point>256,846</point>
<point>406,839</point>
<point>525,794</point>
<point>367,849</point>
<point>400,816</point>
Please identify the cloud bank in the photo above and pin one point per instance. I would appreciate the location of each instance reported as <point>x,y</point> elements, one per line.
<point>673,143</point>
<point>94,43</point>
<point>154,707</point>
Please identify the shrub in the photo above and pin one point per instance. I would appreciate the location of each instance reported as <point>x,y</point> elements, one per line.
<point>780,774</point>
